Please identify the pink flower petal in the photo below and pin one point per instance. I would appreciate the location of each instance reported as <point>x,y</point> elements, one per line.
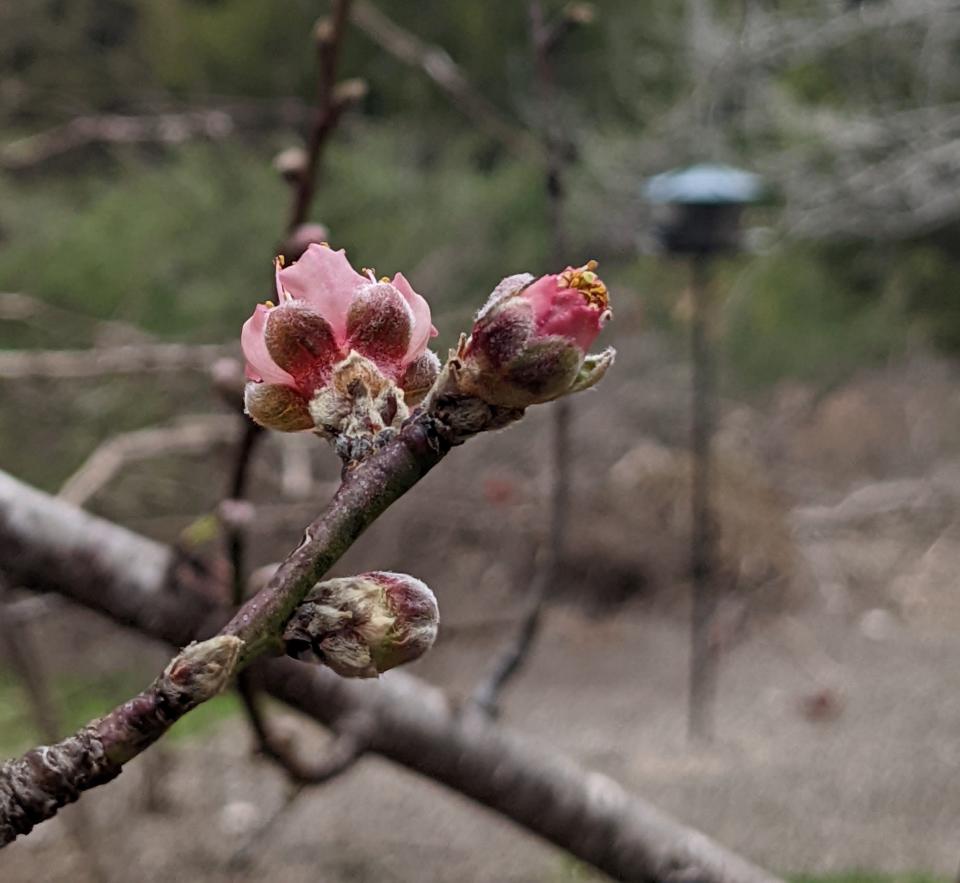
<point>422,329</point>
<point>259,364</point>
<point>324,279</point>
<point>564,311</point>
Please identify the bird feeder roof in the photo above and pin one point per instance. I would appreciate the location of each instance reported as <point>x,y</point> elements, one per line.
<point>704,184</point>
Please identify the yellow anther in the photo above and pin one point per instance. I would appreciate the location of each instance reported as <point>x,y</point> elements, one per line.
<point>585,280</point>
<point>384,278</point>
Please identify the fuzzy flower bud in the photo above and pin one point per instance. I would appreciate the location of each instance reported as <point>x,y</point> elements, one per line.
<point>340,352</point>
<point>361,626</point>
<point>529,342</point>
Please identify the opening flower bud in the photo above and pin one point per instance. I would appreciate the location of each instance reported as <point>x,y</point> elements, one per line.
<point>361,626</point>
<point>529,342</point>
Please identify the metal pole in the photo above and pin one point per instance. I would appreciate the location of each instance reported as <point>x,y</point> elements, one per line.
<point>703,650</point>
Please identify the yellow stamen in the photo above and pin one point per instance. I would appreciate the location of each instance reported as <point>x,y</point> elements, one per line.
<point>384,278</point>
<point>269,304</point>
<point>585,280</point>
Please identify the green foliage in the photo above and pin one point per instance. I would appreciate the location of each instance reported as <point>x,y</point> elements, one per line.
<point>794,313</point>
<point>174,247</point>
<point>177,247</point>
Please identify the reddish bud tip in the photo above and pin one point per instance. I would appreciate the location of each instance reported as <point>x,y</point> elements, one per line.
<point>361,626</point>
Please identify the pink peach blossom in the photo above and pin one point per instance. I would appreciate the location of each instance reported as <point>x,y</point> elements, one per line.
<point>325,309</point>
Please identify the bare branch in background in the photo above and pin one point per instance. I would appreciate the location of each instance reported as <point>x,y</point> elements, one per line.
<point>189,435</point>
<point>133,581</point>
<point>545,39</point>
<point>213,124</point>
<point>437,64</point>
<point>332,100</point>
<point>348,747</point>
<point>147,358</point>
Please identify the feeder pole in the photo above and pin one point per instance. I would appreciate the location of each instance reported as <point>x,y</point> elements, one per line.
<point>703,648</point>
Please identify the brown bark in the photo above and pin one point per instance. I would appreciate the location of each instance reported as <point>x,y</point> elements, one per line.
<point>48,544</point>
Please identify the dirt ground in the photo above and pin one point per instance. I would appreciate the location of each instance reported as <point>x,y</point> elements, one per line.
<point>838,721</point>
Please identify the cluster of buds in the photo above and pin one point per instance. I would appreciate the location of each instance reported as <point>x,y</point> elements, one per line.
<point>530,342</point>
<point>361,626</point>
<point>345,355</point>
<point>340,353</point>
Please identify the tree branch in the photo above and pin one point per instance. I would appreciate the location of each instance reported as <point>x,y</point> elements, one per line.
<point>368,488</point>
<point>145,358</point>
<point>185,436</point>
<point>545,39</point>
<point>53,546</point>
<point>437,64</point>
<point>173,127</point>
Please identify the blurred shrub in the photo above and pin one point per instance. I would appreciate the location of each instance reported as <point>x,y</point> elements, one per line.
<point>797,313</point>
<point>183,246</point>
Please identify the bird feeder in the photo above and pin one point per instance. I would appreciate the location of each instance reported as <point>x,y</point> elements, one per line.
<point>699,208</point>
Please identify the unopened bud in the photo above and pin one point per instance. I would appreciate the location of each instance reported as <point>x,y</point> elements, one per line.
<point>419,377</point>
<point>350,91</point>
<point>323,31</point>
<point>201,670</point>
<point>580,13</point>
<point>361,626</point>
<point>275,406</point>
<point>290,163</point>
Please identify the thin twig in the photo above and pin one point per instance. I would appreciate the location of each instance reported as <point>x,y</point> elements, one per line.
<point>34,786</point>
<point>301,770</point>
<point>144,358</point>
<point>437,64</point>
<point>545,37</point>
<point>176,127</point>
<point>329,36</point>
<point>185,436</point>
<point>131,580</point>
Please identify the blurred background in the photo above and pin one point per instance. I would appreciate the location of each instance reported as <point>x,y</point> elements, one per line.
<point>141,206</point>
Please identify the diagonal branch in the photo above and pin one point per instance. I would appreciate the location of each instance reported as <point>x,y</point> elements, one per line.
<point>437,64</point>
<point>32,790</point>
<point>145,358</point>
<point>53,546</point>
